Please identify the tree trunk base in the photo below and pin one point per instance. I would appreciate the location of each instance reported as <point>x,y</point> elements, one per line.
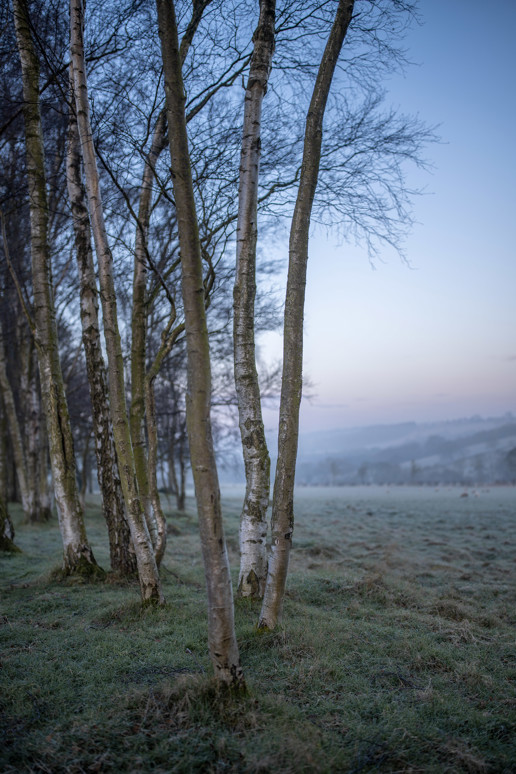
<point>152,596</point>
<point>80,564</point>
<point>40,516</point>
<point>7,546</point>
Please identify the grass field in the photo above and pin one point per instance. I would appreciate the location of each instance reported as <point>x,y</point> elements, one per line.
<point>397,651</point>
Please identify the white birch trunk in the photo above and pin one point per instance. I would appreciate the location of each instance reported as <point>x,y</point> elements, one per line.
<point>291,385</point>
<point>121,553</point>
<point>78,556</point>
<point>147,568</point>
<point>253,521</point>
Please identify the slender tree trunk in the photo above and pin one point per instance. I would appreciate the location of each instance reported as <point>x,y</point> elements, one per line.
<point>253,521</point>
<point>142,385</point>
<point>85,469</point>
<point>171,460</point>
<point>15,434</point>
<point>152,462</point>
<point>176,454</point>
<point>35,438</point>
<point>6,526</point>
<point>4,471</point>
<point>147,568</point>
<point>221,630</point>
<point>181,495</point>
<point>7,543</point>
<point>152,434</point>
<point>291,386</point>
<point>122,556</point>
<point>139,329</point>
<point>42,485</point>
<point>77,552</point>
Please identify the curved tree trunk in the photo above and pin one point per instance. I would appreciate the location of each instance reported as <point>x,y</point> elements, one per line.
<point>221,630</point>
<point>77,552</point>
<point>147,568</point>
<point>291,385</point>
<point>122,556</point>
<point>253,521</point>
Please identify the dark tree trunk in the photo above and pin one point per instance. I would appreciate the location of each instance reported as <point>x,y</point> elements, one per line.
<point>122,557</point>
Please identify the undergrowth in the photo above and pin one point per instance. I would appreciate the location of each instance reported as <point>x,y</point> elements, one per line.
<point>396,652</point>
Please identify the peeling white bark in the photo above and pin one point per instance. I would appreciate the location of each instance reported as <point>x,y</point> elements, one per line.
<point>253,521</point>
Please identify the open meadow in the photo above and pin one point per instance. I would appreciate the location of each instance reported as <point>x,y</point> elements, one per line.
<point>397,650</point>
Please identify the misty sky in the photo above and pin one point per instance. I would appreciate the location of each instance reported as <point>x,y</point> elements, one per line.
<point>437,340</point>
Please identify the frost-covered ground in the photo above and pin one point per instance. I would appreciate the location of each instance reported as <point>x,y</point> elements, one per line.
<point>396,652</point>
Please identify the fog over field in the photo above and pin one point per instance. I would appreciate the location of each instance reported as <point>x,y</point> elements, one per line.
<point>471,451</point>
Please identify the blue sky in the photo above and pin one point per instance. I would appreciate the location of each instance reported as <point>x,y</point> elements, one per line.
<point>437,340</point>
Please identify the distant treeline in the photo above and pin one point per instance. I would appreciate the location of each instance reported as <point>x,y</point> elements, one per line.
<point>487,457</point>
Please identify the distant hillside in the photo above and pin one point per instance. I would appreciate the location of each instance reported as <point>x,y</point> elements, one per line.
<point>466,451</point>
<point>469,451</point>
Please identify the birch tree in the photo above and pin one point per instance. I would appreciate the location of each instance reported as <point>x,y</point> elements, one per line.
<point>78,556</point>
<point>6,526</point>
<point>253,521</point>
<point>292,376</point>
<point>142,411</point>
<point>35,435</point>
<point>19,385</point>
<point>221,631</point>
<point>26,492</point>
<point>121,554</point>
<point>147,568</point>
<point>7,543</point>
<point>139,327</point>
